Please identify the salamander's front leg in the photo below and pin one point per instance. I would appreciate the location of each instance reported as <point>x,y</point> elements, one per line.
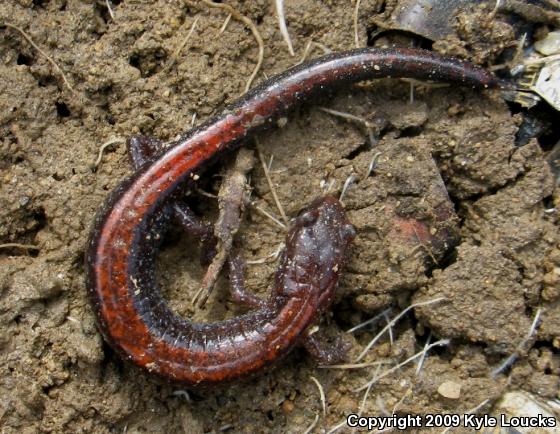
<point>142,148</point>
<point>239,293</point>
<point>327,353</point>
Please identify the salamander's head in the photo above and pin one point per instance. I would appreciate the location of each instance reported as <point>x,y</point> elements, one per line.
<point>316,250</point>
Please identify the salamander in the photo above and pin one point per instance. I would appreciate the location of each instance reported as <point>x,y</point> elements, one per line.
<point>120,259</point>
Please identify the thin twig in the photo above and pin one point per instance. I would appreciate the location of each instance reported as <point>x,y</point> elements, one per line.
<point>369,321</point>
<point>271,185</point>
<point>224,26</point>
<point>110,9</point>
<point>390,328</point>
<point>513,357</point>
<point>355,365</point>
<point>335,428</point>
<point>282,23</point>
<point>400,401</point>
<point>19,246</point>
<point>471,411</point>
<point>496,8</point>
<point>400,365</point>
<point>393,321</point>
<point>51,61</point>
<point>369,127</point>
<point>349,181</point>
<point>421,361</point>
<point>102,148</point>
<point>321,394</point>
<point>236,15</point>
<point>269,215</point>
<point>539,60</point>
<point>307,49</point>
<point>173,58</point>
<point>373,163</point>
<point>268,258</point>
<point>183,393</point>
<point>364,399</point>
<point>312,426</point>
<point>348,116</point>
<point>356,10</point>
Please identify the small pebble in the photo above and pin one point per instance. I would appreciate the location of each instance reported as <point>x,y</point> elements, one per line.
<point>287,406</point>
<point>450,389</point>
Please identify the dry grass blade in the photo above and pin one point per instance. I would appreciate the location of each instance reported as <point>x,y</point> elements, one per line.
<point>349,181</point>
<point>356,13</point>
<point>421,361</point>
<point>312,426</point>
<point>19,246</point>
<point>50,60</point>
<point>471,411</point>
<point>376,378</point>
<point>110,9</point>
<point>236,15</point>
<point>369,321</point>
<point>321,394</point>
<point>355,365</point>
<point>175,54</point>
<point>513,357</point>
<point>102,148</point>
<point>268,215</point>
<point>335,428</point>
<point>282,23</point>
<point>393,321</point>
<point>271,185</point>
<point>271,257</point>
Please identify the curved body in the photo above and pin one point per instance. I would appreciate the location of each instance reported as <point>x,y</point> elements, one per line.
<point>120,259</point>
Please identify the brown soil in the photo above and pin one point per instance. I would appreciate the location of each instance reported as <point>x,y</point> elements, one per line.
<point>56,373</point>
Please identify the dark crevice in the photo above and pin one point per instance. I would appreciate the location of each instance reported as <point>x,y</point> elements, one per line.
<point>399,37</point>
<point>47,81</point>
<point>548,202</point>
<point>23,59</point>
<point>382,7</point>
<point>412,131</point>
<point>448,259</point>
<point>539,123</point>
<point>62,110</point>
<point>364,147</point>
<point>547,345</point>
<point>149,63</point>
<point>46,389</point>
<point>40,218</point>
<point>134,61</point>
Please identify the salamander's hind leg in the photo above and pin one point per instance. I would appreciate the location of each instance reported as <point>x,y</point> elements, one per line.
<point>327,353</point>
<point>237,284</point>
<point>143,148</point>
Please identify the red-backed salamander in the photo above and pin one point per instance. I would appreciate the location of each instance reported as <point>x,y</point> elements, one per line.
<point>120,260</point>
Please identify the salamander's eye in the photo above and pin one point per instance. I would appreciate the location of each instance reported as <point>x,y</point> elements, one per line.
<point>307,218</point>
<point>348,232</point>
